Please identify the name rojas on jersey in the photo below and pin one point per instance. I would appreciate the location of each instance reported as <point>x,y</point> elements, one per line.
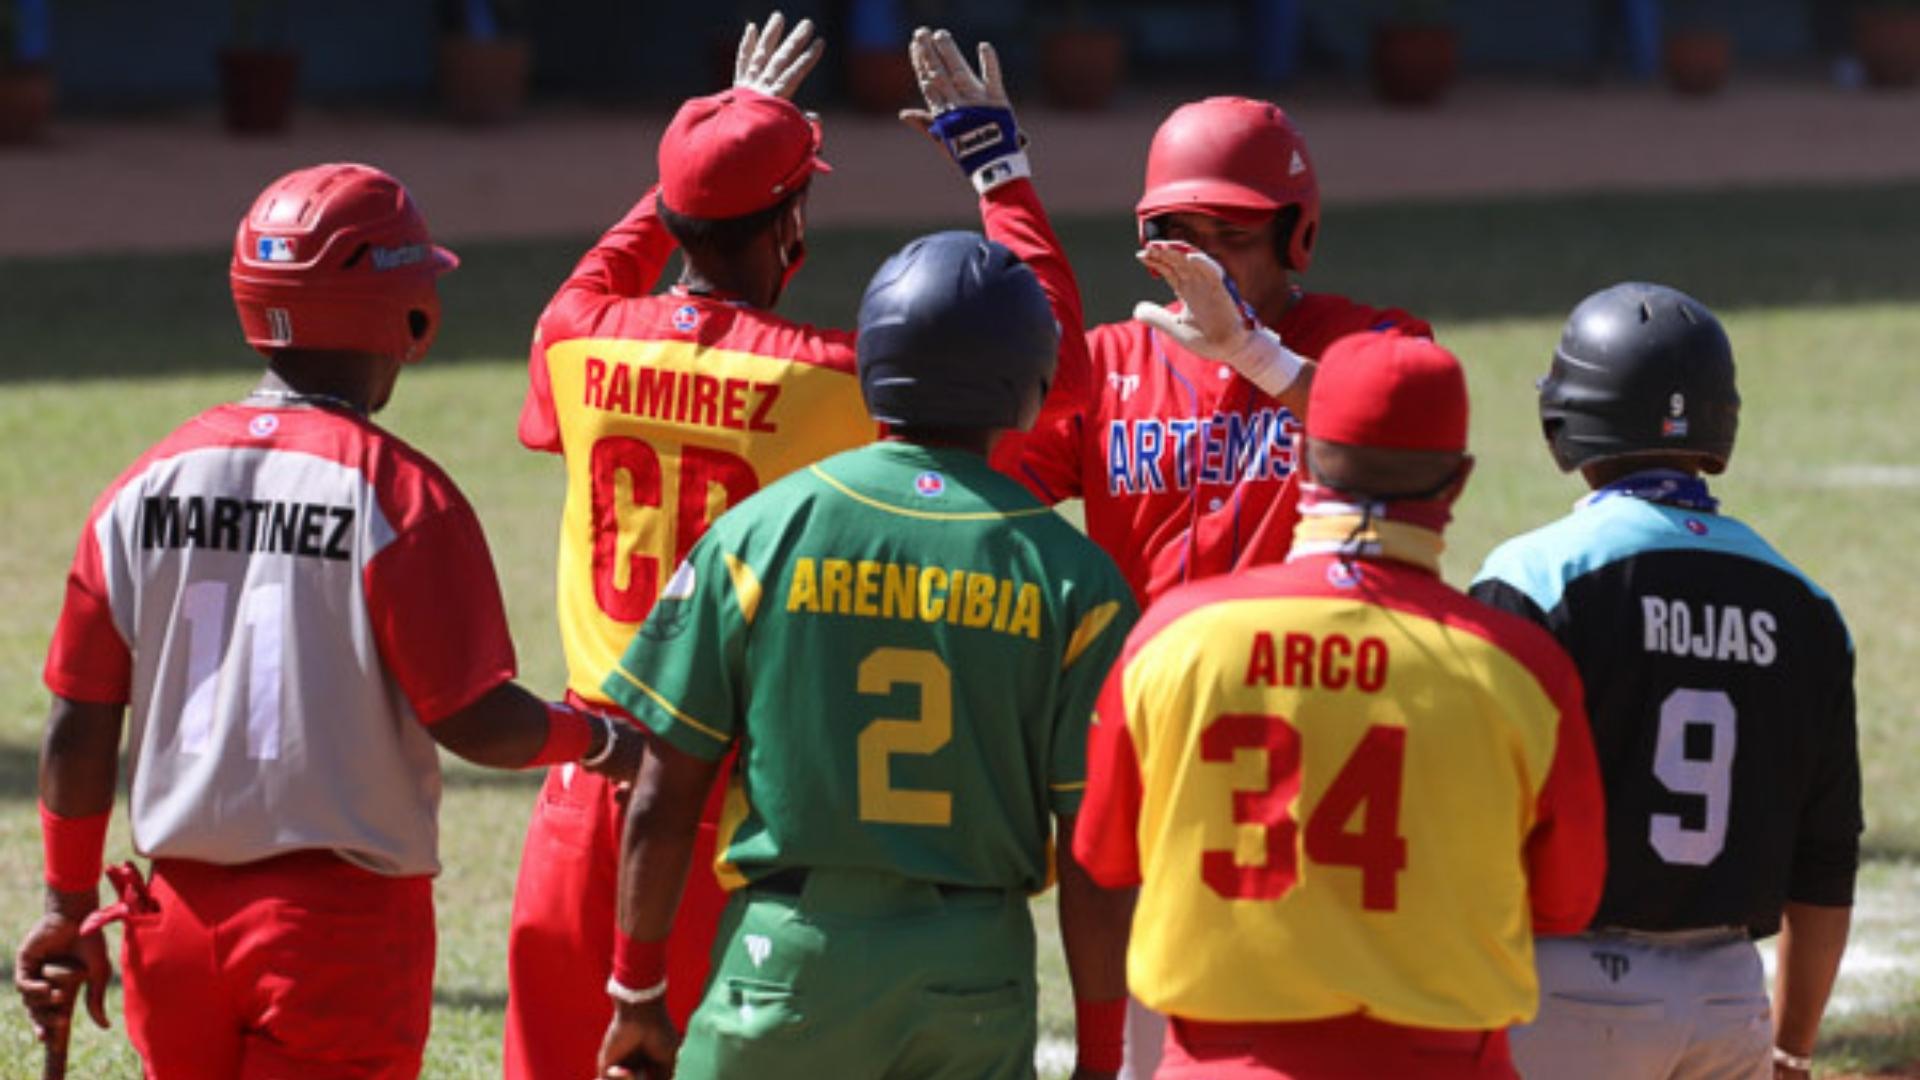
<point>1708,631</point>
<point>1151,454</point>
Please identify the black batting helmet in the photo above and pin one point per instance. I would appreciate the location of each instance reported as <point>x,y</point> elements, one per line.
<point>956,333</point>
<point>1641,369</point>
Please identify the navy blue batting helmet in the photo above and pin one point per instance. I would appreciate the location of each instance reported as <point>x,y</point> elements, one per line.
<point>956,333</point>
<point>1641,369</point>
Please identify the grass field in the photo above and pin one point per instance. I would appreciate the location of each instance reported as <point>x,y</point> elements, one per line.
<point>1820,292</point>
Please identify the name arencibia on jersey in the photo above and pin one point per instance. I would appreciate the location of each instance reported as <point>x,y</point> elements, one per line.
<point>252,525</point>
<point>682,396</point>
<point>1221,449</point>
<point>1716,632</point>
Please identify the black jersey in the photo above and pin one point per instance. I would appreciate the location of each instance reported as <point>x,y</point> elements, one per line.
<point>1719,683</point>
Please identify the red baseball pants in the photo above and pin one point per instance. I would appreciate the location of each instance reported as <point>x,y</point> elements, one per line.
<point>1342,1048</point>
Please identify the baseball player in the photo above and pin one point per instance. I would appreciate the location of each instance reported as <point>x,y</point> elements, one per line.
<point>1345,790</point>
<point>1720,688</point>
<point>669,408</point>
<point>1184,454</point>
<point>296,606</point>
<point>904,647</point>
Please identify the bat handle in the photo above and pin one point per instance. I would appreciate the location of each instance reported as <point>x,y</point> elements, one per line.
<point>55,1067</point>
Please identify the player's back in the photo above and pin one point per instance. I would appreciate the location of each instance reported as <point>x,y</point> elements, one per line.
<point>1719,684</point>
<point>1342,765</point>
<point>921,670</point>
<point>252,561</point>
<point>670,409</point>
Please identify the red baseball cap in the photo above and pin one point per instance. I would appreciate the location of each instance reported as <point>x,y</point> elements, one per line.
<point>1389,391</point>
<point>732,153</point>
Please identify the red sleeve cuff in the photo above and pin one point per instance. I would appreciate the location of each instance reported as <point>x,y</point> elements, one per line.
<point>75,848</point>
<point>1100,1032</point>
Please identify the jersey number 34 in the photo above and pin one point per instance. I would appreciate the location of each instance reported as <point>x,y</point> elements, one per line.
<point>1368,785</point>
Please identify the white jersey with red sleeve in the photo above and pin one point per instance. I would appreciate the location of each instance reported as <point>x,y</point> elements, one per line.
<point>284,597</point>
<point>1186,467</point>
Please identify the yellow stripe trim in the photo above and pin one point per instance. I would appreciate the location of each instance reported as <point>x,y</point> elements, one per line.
<point>746,586</point>
<point>926,515</point>
<point>1076,786</point>
<point>661,701</point>
<point>1090,628</point>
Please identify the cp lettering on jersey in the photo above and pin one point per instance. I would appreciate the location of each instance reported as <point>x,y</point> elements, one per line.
<point>1160,454</point>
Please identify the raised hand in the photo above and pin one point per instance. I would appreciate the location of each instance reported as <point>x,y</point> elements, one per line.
<point>966,113</point>
<point>772,65</point>
<point>1213,321</point>
<point>946,82</point>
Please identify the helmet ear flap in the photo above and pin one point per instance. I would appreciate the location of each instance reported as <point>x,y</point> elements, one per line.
<point>1287,239</point>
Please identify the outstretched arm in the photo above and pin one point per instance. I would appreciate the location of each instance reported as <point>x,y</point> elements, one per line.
<point>656,848</point>
<point>1094,926</point>
<point>79,764</point>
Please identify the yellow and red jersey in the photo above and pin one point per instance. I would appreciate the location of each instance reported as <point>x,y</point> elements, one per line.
<point>1186,467</point>
<point>670,408</point>
<point>1343,787</point>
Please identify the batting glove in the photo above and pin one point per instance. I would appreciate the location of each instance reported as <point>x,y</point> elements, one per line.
<point>967,114</point>
<point>770,65</point>
<point>1214,322</point>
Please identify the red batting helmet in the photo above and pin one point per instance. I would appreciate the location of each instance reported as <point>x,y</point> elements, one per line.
<point>337,258</point>
<point>1236,158</point>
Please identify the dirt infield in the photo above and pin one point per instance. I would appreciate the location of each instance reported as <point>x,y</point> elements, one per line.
<point>177,182</point>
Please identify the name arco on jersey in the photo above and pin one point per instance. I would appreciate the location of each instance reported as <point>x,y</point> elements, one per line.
<point>1146,455</point>
<point>1708,631</point>
<point>685,397</point>
<point>250,525</point>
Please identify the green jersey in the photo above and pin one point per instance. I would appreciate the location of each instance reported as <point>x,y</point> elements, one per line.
<point>906,648</point>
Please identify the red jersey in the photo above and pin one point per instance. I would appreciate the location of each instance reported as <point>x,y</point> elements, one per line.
<point>1186,467</point>
<point>284,596</point>
<point>670,408</point>
<point>1343,787</point>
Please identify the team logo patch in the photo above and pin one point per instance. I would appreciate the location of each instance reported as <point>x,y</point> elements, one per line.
<point>263,425</point>
<point>685,318</point>
<point>276,249</point>
<point>1342,574</point>
<point>1696,526</point>
<point>669,616</point>
<point>1297,166</point>
<point>1674,424</point>
<point>759,947</point>
<point>930,485</point>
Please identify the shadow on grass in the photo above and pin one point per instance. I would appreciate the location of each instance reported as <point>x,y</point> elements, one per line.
<point>1879,1047</point>
<point>19,772</point>
<point>467,997</point>
<point>1536,256</point>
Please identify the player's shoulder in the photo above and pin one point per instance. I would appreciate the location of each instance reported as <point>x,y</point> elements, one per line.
<point>1118,344</point>
<point>701,322</point>
<point>1317,320</point>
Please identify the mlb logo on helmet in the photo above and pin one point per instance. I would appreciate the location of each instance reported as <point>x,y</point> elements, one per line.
<point>930,485</point>
<point>277,249</point>
<point>685,318</point>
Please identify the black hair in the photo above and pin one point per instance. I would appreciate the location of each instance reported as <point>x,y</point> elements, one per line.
<point>723,238</point>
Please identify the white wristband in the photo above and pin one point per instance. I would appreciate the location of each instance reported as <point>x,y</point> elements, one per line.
<point>1000,171</point>
<point>1266,362</point>
<point>606,749</point>
<point>626,995</point>
<point>1793,1061</point>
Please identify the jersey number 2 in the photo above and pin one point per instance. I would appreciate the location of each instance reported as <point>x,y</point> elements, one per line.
<point>880,801</point>
<point>1368,784</point>
<point>627,480</point>
<point>1710,778</point>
